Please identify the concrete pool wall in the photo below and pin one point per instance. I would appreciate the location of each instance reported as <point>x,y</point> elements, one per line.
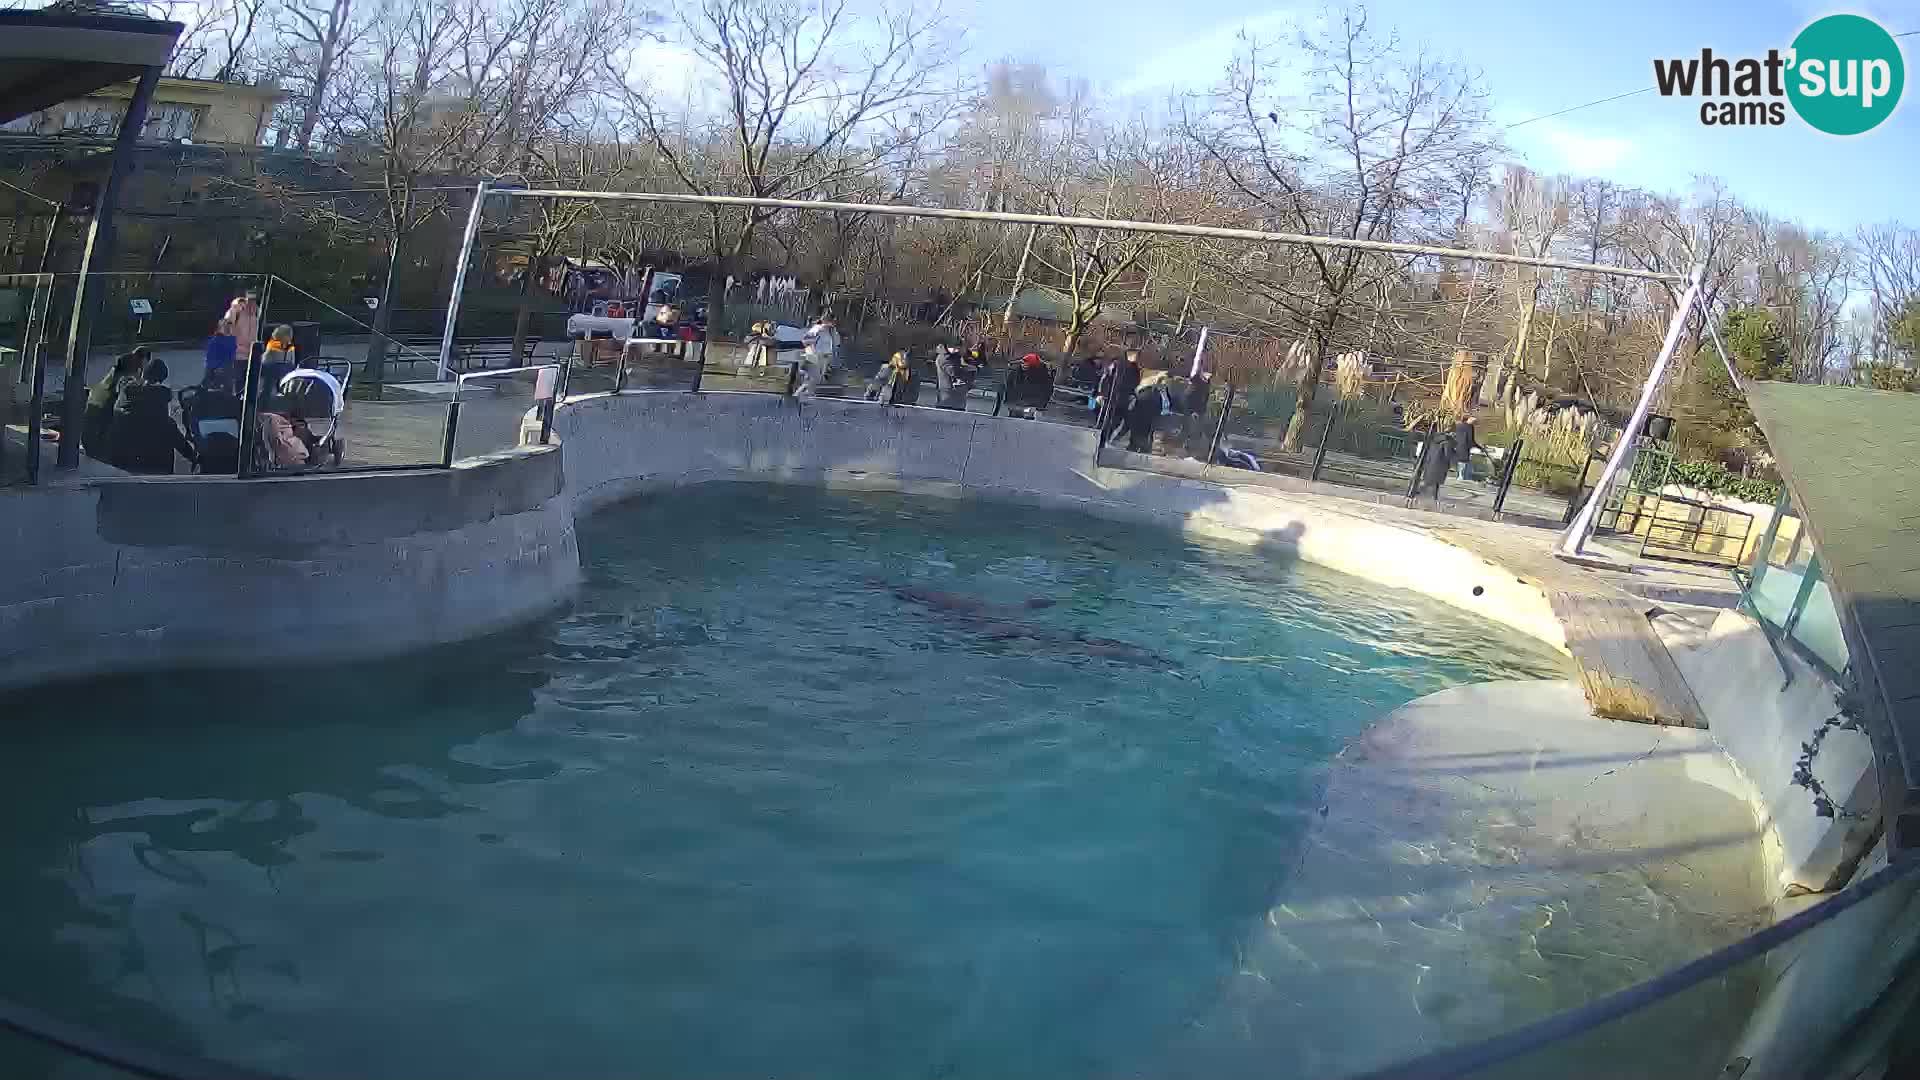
<point>620,446</point>
<point>155,572</point>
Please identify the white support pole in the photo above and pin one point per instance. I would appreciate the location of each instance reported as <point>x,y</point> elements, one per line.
<point>1575,538</point>
<point>460,278</point>
<point>1199,350</point>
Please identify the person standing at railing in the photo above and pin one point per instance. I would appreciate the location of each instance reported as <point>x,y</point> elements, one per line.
<point>96,430</point>
<point>223,350</point>
<point>243,320</point>
<point>144,437</point>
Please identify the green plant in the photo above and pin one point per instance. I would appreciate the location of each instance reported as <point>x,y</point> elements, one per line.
<point>1717,479</point>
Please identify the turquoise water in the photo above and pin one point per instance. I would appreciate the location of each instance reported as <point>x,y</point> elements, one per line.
<point>802,786</point>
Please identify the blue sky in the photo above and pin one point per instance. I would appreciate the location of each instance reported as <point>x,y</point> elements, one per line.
<point>1536,57</point>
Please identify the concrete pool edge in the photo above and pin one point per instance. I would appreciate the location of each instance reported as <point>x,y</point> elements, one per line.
<point>736,437</point>
<point>142,573</point>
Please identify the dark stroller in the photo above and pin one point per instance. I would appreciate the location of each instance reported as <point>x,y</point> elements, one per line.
<point>211,416</point>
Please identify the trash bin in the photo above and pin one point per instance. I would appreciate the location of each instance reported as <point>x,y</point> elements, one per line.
<point>306,341</point>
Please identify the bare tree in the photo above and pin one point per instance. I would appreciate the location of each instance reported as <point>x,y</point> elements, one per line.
<point>1360,158</point>
<point>811,99</point>
<point>317,36</point>
<point>1889,268</point>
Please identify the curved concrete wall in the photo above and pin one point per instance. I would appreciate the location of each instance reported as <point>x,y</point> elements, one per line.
<point>618,446</point>
<point>150,572</point>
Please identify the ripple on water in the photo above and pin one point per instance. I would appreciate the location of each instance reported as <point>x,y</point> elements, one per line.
<point>738,813</point>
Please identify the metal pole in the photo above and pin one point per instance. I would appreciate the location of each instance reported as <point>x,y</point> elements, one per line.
<point>1573,542</point>
<point>698,372</point>
<point>36,358</point>
<point>1199,350</point>
<point>249,410</point>
<point>460,277</point>
<point>1019,281</point>
<point>1420,463</point>
<point>1109,224</point>
<point>447,435</point>
<point>1326,436</point>
<point>1512,464</point>
<point>98,252</point>
<point>1220,427</point>
<point>793,376</point>
<point>620,368</point>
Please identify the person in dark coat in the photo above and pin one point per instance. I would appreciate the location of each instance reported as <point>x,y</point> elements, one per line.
<point>96,430</point>
<point>1463,444</point>
<point>1439,457</point>
<point>1117,387</point>
<point>1143,416</point>
<point>1193,410</point>
<point>1029,386</point>
<point>144,436</point>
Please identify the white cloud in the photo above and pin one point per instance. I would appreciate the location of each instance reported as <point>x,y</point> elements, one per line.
<point>1200,60</point>
<point>1563,148</point>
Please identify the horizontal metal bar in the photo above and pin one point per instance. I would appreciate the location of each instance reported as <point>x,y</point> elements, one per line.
<point>1113,224</point>
<point>461,380</point>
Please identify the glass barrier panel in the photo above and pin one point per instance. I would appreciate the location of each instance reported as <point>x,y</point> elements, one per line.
<point>500,412</point>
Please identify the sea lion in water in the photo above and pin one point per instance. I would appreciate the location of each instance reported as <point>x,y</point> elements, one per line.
<point>993,622</point>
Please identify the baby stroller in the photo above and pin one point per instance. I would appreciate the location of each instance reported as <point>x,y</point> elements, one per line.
<point>315,400</point>
<point>211,416</point>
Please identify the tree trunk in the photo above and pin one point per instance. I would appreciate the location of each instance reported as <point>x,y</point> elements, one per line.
<point>1019,282</point>
<point>1309,385</point>
<point>1526,328</point>
<point>382,321</point>
<point>525,311</point>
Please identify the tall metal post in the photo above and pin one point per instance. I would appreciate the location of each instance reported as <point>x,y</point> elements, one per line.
<point>1420,463</point>
<point>1511,465</point>
<point>1226,406</point>
<point>460,278</point>
<point>94,257</point>
<point>1573,542</point>
<point>1326,436</point>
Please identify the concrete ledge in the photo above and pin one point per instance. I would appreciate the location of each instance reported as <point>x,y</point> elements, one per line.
<point>124,574</point>
<point>1491,854</point>
<point>1762,726</point>
<point>637,443</point>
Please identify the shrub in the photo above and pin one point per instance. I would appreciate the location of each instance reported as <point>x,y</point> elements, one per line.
<point>1717,479</point>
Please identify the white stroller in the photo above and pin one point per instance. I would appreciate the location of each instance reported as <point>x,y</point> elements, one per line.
<point>319,399</point>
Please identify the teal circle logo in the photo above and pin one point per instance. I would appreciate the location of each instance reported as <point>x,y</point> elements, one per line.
<point>1847,74</point>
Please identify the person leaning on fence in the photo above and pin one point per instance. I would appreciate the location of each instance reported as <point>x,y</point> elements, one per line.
<point>895,383</point>
<point>1029,386</point>
<point>278,358</point>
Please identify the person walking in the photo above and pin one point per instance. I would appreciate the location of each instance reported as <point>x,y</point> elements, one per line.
<point>144,436</point>
<point>821,343</point>
<point>896,383</point>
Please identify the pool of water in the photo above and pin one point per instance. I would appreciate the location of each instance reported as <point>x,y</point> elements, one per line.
<point>802,785</point>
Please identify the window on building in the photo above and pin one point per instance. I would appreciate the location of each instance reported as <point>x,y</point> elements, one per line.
<point>91,118</point>
<point>171,123</point>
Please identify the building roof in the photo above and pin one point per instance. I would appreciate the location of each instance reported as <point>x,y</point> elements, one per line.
<point>47,58</point>
<point>1851,458</point>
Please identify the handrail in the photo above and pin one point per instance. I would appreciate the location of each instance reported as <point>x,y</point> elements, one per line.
<point>461,379</point>
<point>1471,1060</point>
